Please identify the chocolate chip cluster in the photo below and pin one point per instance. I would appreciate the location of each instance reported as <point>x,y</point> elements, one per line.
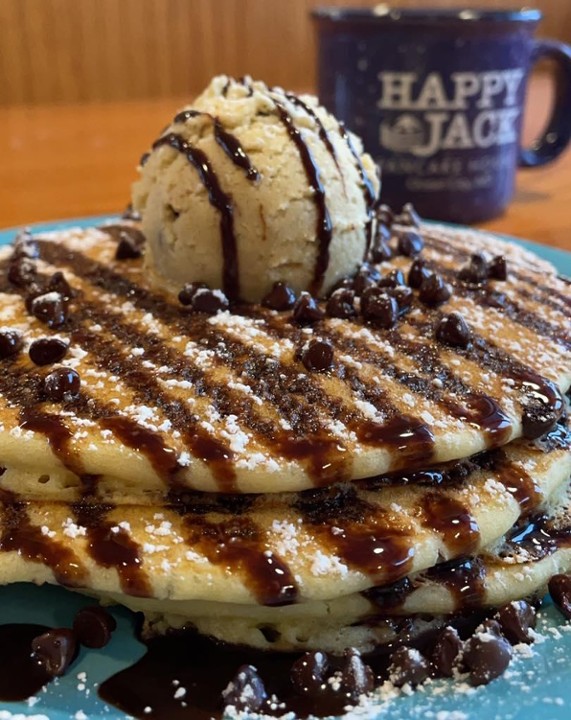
<point>482,656</point>
<point>47,299</point>
<point>312,676</point>
<point>479,269</point>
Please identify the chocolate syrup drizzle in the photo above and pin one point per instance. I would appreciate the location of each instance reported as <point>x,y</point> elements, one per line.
<point>367,185</point>
<point>110,546</point>
<point>237,542</point>
<point>226,140</point>
<point>218,199</point>
<point>324,229</point>
<point>19,535</point>
<point>231,146</point>
<point>321,131</point>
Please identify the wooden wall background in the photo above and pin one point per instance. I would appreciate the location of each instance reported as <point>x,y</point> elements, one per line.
<point>97,50</point>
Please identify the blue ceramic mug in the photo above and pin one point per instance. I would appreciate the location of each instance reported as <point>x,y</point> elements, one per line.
<point>438,96</point>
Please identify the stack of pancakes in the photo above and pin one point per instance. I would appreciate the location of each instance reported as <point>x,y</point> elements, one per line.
<point>197,467</point>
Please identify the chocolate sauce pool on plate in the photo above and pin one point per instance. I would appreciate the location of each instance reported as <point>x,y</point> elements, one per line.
<point>22,676</point>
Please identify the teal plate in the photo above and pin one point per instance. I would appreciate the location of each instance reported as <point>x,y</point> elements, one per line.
<point>534,686</point>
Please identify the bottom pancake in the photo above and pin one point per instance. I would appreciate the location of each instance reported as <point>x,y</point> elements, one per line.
<point>519,567</point>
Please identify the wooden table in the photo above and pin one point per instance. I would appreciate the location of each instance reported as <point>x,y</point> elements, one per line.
<point>73,160</point>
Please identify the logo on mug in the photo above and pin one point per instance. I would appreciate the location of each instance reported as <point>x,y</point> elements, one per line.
<point>481,111</point>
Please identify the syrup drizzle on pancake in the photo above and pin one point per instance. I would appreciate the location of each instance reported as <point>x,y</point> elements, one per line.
<point>110,546</point>
<point>237,543</point>
<point>436,240</point>
<point>223,528</point>
<point>309,441</point>
<point>19,535</point>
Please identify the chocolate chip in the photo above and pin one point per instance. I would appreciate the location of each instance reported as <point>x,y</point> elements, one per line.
<point>381,250</point>
<point>50,308</point>
<point>409,243</point>
<point>11,343</point>
<point>498,268</point>
<point>418,273</point>
<point>47,350</point>
<point>408,216</point>
<point>209,301</point>
<point>129,213</point>
<point>390,596</point>
<point>392,279</point>
<point>246,691</point>
<point>341,304</point>
<point>130,246</point>
<point>486,654</point>
<point>356,678</point>
<point>497,300</point>
<point>404,297</point>
<point>453,330</point>
<point>445,653</point>
<point>61,384</point>
<point>367,276</point>
<point>476,271</point>
<point>189,291</point>
<point>25,246</point>
<point>58,283</point>
<point>22,272</point>
<point>379,308</point>
<point>491,625</point>
<point>560,591</point>
<point>173,213</point>
<point>434,291</point>
<point>280,297</point>
<point>516,620</point>
<point>408,665</point>
<point>55,650</point>
<point>318,356</point>
<point>93,626</point>
<point>309,673</point>
<point>385,215</point>
<point>539,416</point>
<point>306,310</point>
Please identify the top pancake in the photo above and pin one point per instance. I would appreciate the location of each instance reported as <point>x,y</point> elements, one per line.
<point>171,399</point>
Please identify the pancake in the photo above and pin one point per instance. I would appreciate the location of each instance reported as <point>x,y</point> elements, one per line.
<point>518,566</point>
<point>172,400</point>
<point>279,549</point>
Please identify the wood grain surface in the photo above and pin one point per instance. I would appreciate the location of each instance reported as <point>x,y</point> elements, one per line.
<point>91,50</point>
<point>77,159</point>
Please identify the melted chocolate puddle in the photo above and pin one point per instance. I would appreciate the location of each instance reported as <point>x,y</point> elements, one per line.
<point>21,675</point>
<point>205,668</point>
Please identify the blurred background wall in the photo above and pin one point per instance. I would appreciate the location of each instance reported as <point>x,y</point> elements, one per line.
<point>96,50</point>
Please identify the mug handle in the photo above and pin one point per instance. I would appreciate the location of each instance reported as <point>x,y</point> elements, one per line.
<point>557,134</point>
